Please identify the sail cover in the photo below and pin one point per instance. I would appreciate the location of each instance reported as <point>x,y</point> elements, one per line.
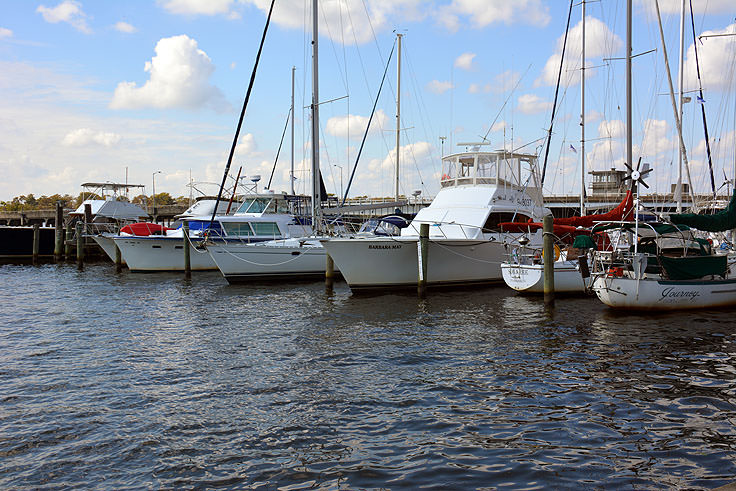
<point>718,222</point>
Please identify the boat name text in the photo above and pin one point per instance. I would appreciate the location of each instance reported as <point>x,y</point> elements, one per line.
<point>376,246</point>
<point>673,293</point>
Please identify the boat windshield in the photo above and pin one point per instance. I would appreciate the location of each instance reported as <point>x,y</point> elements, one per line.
<point>257,205</point>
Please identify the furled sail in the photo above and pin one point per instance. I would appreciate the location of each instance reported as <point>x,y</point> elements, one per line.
<point>717,222</point>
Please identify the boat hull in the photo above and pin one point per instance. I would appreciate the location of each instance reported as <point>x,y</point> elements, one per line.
<point>157,254</point>
<point>529,278</point>
<point>280,260</point>
<point>392,262</point>
<point>107,244</point>
<point>653,294</point>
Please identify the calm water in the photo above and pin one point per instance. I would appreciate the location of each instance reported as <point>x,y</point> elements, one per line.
<point>146,381</point>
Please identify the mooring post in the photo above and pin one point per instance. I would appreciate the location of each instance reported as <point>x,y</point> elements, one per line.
<point>68,242</point>
<point>87,213</point>
<point>549,261</point>
<point>59,232</point>
<point>80,246</point>
<point>118,259</point>
<point>422,259</point>
<point>329,272</point>
<point>36,242</point>
<point>187,252</point>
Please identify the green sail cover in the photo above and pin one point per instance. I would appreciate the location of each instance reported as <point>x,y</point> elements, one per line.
<point>693,267</point>
<point>718,222</point>
<point>584,242</point>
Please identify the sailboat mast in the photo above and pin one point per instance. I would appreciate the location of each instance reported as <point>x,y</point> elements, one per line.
<point>398,114</point>
<point>680,76</point>
<point>629,153</point>
<point>582,119</point>
<point>316,204</point>
<point>291,178</point>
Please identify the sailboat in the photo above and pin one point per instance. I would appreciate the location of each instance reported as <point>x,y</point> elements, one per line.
<point>667,267</point>
<point>301,258</point>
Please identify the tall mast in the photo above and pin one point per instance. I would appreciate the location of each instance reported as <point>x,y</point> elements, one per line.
<point>293,69</point>
<point>680,77</point>
<point>629,153</point>
<point>398,114</point>
<point>316,204</point>
<point>582,119</point>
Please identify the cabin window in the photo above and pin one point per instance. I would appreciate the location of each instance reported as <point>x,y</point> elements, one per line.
<point>256,205</point>
<point>266,229</point>
<point>486,167</point>
<point>241,229</point>
<point>495,218</point>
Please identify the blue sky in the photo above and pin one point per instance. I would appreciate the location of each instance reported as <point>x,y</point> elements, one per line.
<point>92,88</point>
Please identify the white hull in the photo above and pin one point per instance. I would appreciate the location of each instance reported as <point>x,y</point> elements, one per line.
<point>282,259</point>
<point>107,244</point>
<point>383,262</point>
<point>155,254</point>
<point>529,278</point>
<point>653,294</point>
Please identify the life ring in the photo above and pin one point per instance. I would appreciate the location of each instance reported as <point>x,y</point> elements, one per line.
<point>557,253</point>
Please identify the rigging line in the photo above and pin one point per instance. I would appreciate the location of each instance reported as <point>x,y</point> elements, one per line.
<point>278,152</point>
<point>506,102</point>
<point>557,89</point>
<point>702,102</point>
<point>367,128</point>
<point>242,113</point>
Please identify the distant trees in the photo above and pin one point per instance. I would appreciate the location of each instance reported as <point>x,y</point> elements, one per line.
<point>30,202</point>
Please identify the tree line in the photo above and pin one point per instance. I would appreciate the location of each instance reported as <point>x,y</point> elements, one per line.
<point>30,202</point>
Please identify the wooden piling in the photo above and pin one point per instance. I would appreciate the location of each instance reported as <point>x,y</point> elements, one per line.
<point>422,259</point>
<point>187,252</point>
<point>80,246</point>
<point>329,272</point>
<point>36,242</point>
<point>549,261</point>
<point>87,213</point>
<point>118,260</point>
<point>59,232</point>
<point>68,242</point>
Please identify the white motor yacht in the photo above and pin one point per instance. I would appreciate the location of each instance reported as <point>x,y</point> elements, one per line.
<point>479,191</point>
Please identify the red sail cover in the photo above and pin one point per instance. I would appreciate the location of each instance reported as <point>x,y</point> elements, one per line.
<point>621,213</point>
<point>144,229</point>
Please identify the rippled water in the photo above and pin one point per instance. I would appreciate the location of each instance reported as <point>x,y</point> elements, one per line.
<point>146,381</point>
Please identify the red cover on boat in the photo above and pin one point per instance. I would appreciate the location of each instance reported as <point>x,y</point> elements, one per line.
<point>558,230</point>
<point>144,229</point>
<point>622,212</point>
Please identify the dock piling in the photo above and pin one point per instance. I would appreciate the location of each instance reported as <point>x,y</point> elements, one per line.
<point>59,232</point>
<point>68,242</point>
<point>549,261</point>
<point>423,245</point>
<point>36,242</point>
<point>329,272</point>
<point>187,252</point>
<point>118,260</point>
<point>80,246</point>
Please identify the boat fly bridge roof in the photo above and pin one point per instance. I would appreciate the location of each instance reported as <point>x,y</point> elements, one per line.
<point>500,168</point>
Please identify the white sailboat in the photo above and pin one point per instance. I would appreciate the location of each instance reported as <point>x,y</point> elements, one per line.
<point>667,267</point>
<point>289,259</point>
<point>479,191</point>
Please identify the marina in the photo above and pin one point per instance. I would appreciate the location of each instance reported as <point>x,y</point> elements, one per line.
<point>504,268</point>
<point>117,381</point>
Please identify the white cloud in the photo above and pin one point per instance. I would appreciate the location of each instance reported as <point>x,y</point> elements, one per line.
<point>437,87</point>
<point>340,125</point>
<point>612,129</point>
<point>674,6</point>
<point>655,138</point>
<point>198,7</point>
<point>5,33</point>
<point>381,15</point>
<point>179,78</point>
<point>83,137</point>
<point>505,82</point>
<point>68,11</point>
<point>465,61</point>
<point>600,41</point>
<point>125,27</point>
<point>498,126</point>
<point>716,55</point>
<point>482,13</point>
<point>533,104</point>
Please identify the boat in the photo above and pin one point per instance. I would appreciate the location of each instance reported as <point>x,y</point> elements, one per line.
<point>666,267</point>
<point>292,259</point>
<point>479,190</point>
<point>524,271</point>
<point>261,217</point>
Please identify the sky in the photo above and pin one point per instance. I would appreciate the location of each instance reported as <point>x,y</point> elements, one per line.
<point>109,91</point>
